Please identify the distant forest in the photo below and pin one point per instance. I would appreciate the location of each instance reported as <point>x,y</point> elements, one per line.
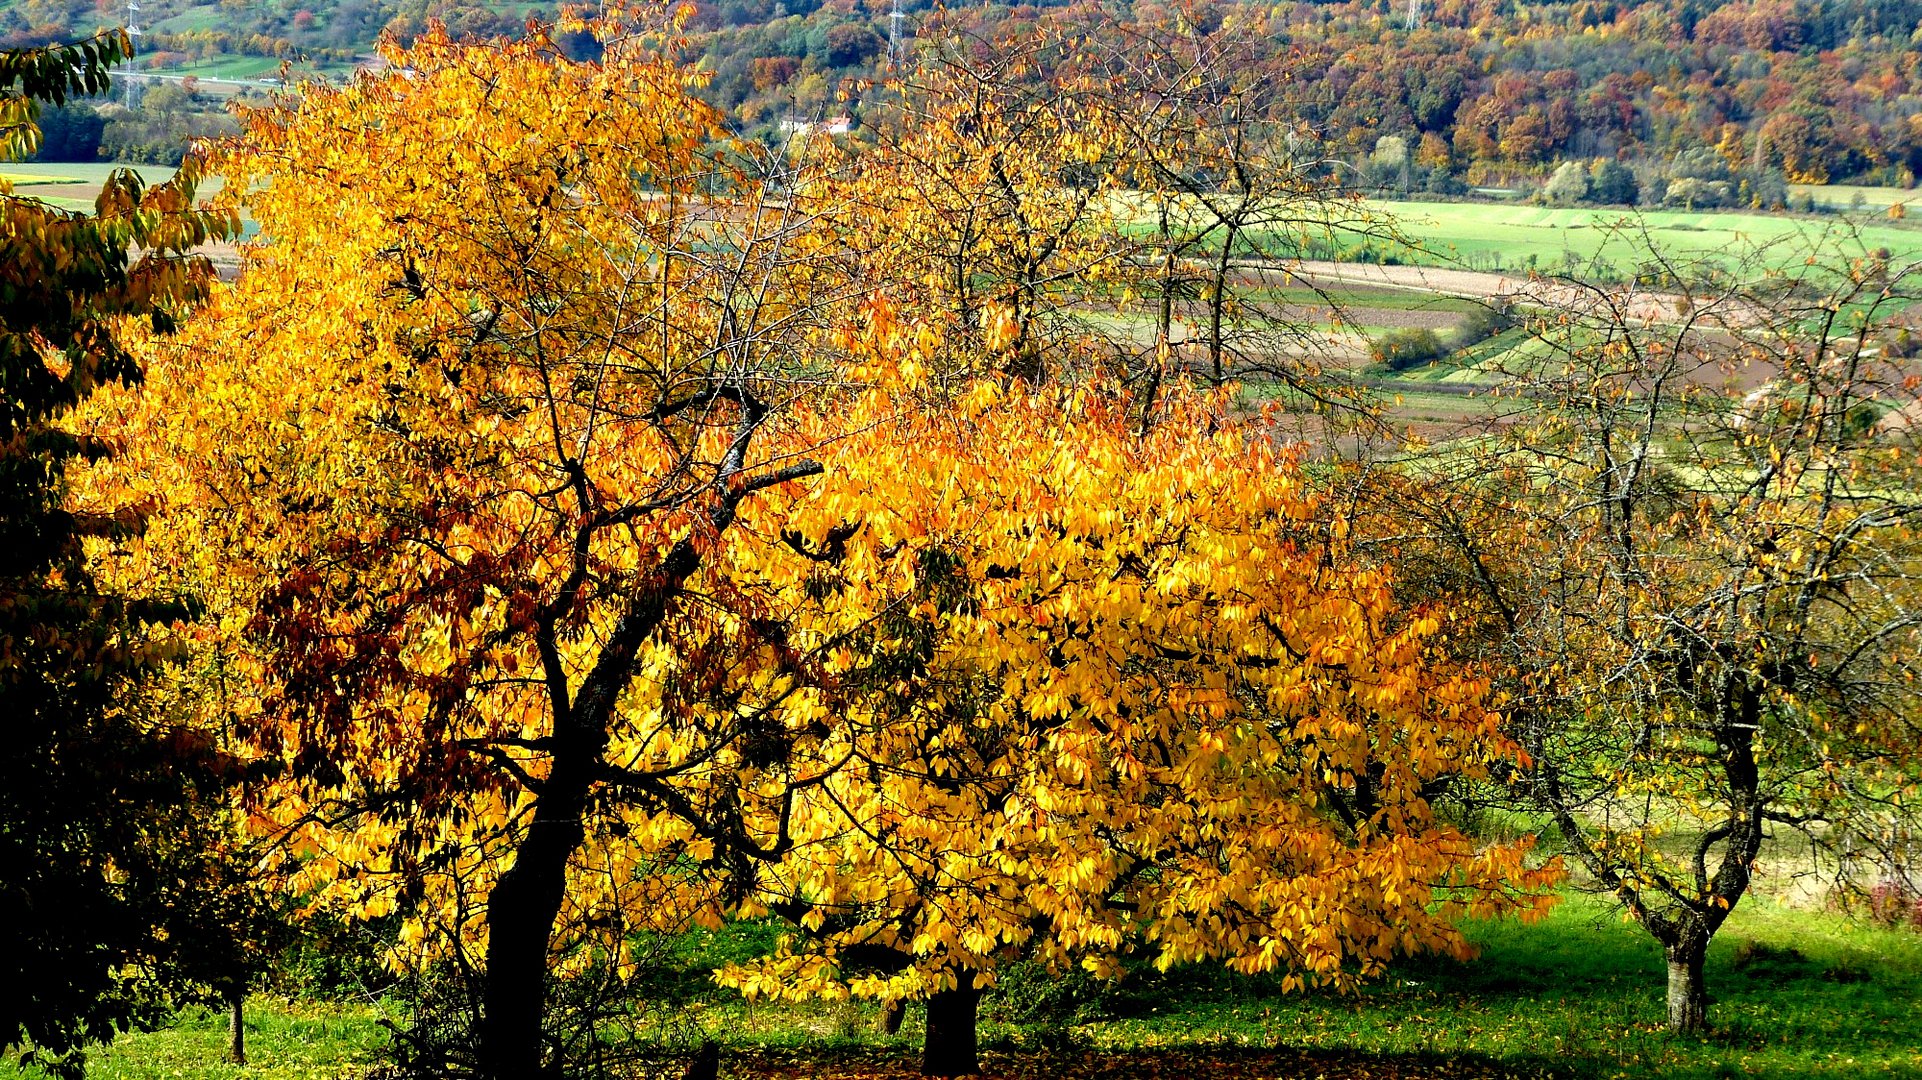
<point>1475,93</point>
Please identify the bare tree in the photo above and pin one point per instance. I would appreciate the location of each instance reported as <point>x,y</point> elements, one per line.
<point>1694,542</point>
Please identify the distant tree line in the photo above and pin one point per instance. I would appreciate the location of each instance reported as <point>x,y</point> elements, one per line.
<point>1781,91</point>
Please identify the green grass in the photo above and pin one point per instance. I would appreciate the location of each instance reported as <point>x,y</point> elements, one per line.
<point>229,66</point>
<point>1797,995</point>
<point>1841,196</point>
<point>1517,233</point>
<point>1579,995</point>
<point>298,1041</point>
<point>1521,237</point>
<point>73,186</point>
<point>208,17</point>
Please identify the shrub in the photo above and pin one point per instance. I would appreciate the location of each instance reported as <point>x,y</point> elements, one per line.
<point>1484,322</point>
<point>1894,904</point>
<point>1399,350</point>
<point>1569,185</point>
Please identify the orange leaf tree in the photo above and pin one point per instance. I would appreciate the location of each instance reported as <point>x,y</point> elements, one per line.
<point>1129,696</point>
<point>457,448</point>
<point>600,563</point>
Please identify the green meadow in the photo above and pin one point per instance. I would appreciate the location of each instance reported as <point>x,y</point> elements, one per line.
<point>1508,236</point>
<point>1797,994</point>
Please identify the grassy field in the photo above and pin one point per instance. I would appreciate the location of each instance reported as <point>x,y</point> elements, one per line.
<point>208,17</point>
<point>1350,297</point>
<point>229,67</point>
<point>291,1040</point>
<point>1520,237</point>
<point>73,186</point>
<point>1797,994</point>
<point>68,172</point>
<point>1842,196</point>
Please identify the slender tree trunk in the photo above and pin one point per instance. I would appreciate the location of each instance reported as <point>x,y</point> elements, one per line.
<point>950,1047</point>
<point>237,1027</point>
<point>1687,991</point>
<point>1166,321</point>
<point>1164,327</point>
<point>1220,301</point>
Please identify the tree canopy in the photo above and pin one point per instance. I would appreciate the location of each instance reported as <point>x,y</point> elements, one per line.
<point>101,787</point>
<point>590,552</point>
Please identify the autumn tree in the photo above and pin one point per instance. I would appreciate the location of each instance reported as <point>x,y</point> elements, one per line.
<point>451,461</point>
<point>593,552</point>
<point>985,202</point>
<point>97,780</point>
<point>1694,545</point>
<point>1132,698</point>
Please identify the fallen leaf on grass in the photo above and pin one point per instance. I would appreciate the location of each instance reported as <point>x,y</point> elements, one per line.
<point>1226,1063</point>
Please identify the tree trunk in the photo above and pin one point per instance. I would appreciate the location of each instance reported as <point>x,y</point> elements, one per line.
<point>237,1028</point>
<point>706,1064</point>
<point>521,912</point>
<point>1220,300</point>
<point>526,901</point>
<point>949,1048</point>
<point>1687,991</point>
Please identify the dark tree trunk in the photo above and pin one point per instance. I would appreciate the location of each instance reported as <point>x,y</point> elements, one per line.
<point>891,1016</point>
<point>1687,992</point>
<point>520,920</point>
<point>525,903</point>
<point>706,1064</point>
<point>1219,302</point>
<point>237,1028</point>
<point>950,1048</point>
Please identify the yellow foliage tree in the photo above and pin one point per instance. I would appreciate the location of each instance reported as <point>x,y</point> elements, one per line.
<point>1128,696</point>
<point>597,556</point>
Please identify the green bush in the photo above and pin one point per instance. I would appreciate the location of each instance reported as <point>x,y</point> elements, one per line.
<point>1484,322</point>
<point>1399,350</point>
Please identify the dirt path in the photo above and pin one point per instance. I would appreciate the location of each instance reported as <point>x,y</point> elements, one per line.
<point>1536,292</point>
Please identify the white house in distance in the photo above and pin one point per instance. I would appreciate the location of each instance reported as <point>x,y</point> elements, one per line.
<point>833,125</point>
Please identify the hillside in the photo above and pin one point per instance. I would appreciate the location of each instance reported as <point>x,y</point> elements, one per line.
<point>1744,99</point>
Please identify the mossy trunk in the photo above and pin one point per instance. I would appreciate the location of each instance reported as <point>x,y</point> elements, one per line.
<point>1687,990</point>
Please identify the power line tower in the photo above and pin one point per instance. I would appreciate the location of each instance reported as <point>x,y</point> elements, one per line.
<point>1413,21</point>
<point>133,35</point>
<point>894,32</point>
